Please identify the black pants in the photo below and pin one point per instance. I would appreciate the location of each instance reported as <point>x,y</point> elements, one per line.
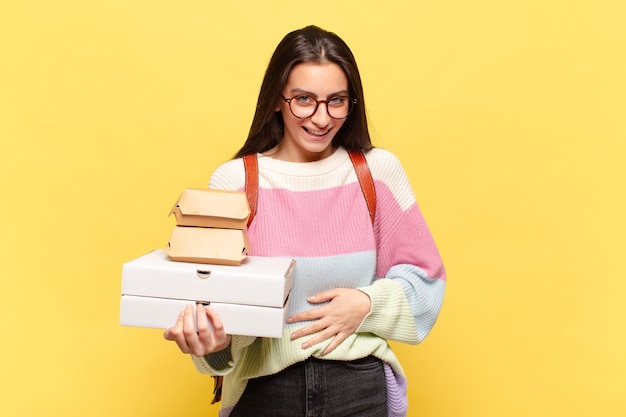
<point>318,388</point>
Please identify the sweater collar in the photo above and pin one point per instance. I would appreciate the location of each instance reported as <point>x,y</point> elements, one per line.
<point>321,167</point>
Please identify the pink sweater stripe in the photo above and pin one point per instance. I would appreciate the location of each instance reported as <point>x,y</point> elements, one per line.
<point>292,219</point>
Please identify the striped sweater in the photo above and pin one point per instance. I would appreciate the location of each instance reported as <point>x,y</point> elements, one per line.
<point>316,214</point>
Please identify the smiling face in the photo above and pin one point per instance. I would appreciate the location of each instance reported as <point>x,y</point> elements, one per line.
<point>310,139</point>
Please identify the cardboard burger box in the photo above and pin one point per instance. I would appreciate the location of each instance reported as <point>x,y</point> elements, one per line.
<point>221,209</point>
<point>210,227</point>
<point>251,298</point>
<point>208,245</point>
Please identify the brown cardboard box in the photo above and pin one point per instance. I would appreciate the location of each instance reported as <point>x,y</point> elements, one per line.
<point>208,245</point>
<point>212,208</point>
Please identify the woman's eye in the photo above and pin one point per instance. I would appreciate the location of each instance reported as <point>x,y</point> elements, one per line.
<point>337,101</point>
<point>304,100</point>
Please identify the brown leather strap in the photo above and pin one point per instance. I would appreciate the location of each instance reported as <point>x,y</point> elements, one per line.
<point>360,168</point>
<point>366,181</point>
<point>218,380</point>
<point>251,166</point>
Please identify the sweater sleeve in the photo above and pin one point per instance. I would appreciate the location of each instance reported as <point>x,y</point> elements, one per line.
<point>408,295</point>
<point>223,362</point>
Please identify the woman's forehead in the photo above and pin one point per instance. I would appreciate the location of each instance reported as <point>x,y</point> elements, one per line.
<point>318,79</point>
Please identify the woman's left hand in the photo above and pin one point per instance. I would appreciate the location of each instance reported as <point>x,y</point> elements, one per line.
<point>338,319</point>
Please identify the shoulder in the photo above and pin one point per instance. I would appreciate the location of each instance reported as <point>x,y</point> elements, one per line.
<point>389,176</point>
<point>384,165</point>
<point>229,176</point>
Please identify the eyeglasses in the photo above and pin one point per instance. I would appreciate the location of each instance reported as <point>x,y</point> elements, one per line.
<point>303,106</point>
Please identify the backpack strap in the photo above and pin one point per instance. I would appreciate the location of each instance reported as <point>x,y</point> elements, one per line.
<point>251,165</point>
<point>361,169</point>
<point>366,181</point>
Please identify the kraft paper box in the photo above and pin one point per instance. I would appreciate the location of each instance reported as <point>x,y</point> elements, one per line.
<point>208,245</point>
<point>251,298</point>
<point>220,209</point>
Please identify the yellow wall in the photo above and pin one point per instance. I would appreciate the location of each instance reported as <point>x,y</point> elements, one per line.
<point>508,116</point>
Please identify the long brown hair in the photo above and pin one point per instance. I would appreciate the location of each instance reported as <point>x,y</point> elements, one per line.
<point>309,44</point>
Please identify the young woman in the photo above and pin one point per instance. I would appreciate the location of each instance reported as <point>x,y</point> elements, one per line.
<point>358,283</point>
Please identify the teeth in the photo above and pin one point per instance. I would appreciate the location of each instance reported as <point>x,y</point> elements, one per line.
<point>318,133</point>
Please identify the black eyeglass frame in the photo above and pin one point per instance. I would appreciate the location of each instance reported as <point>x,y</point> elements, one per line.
<point>351,103</point>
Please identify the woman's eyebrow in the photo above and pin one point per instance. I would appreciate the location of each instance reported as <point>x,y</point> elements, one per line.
<point>312,94</point>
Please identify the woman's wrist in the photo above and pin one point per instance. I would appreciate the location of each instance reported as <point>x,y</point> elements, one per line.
<point>220,359</point>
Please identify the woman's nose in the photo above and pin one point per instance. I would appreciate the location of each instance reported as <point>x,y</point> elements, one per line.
<point>321,117</point>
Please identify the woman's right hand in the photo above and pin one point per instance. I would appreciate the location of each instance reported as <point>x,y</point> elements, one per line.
<point>209,336</point>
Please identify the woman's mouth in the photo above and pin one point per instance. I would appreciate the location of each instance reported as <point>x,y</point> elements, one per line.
<point>316,132</point>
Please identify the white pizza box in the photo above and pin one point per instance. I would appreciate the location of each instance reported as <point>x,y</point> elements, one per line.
<point>238,319</point>
<point>258,281</point>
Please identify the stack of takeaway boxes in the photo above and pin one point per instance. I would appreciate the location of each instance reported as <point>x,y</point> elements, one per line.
<point>206,262</point>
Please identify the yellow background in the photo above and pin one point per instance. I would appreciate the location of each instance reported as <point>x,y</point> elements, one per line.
<point>508,117</point>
